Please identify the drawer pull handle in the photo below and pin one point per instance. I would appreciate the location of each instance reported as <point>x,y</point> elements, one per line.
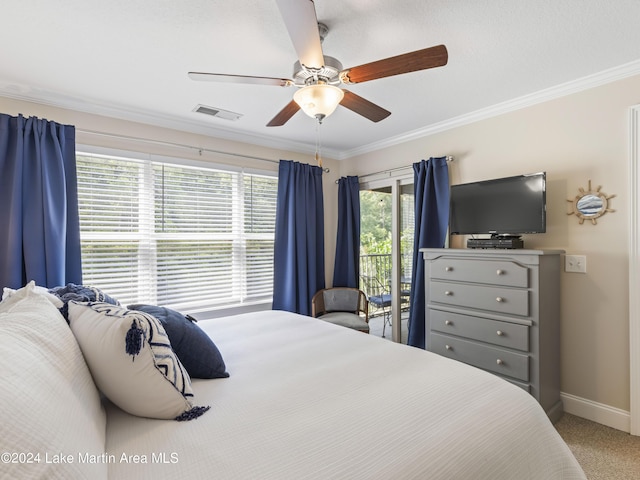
<point>499,299</point>
<point>448,322</point>
<point>499,333</point>
<point>499,362</point>
<point>448,347</point>
<point>499,272</point>
<point>448,269</point>
<point>448,293</point>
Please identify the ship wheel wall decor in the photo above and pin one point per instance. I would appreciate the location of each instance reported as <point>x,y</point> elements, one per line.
<point>590,204</point>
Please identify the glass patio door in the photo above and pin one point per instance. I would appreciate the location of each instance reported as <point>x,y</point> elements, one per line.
<point>386,252</point>
<point>406,219</point>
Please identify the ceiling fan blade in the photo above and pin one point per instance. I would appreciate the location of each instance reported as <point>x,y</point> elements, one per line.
<point>300,18</point>
<point>221,77</point>
<point>363,107</point>
<point>284,115</point>
<point>408,62</point>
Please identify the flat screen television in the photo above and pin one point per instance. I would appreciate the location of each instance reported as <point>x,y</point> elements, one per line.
<point>509,206</point>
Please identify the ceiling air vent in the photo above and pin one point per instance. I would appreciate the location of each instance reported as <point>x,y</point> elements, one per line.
<point>217,112</point>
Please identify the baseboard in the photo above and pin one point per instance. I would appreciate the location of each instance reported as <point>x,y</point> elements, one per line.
<point>597,412</point>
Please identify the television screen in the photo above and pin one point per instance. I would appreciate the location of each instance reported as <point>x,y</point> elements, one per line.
<point>504,206</point>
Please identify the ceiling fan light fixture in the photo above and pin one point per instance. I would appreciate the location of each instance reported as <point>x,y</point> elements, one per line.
<point>319,100</point>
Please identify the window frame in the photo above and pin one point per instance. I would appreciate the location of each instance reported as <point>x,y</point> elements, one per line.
<point>210,310</point>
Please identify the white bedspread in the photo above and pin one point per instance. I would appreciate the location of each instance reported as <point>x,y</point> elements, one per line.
<point>311,400</point>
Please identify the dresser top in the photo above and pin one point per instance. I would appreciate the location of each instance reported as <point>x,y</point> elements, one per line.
<point>512,252</point>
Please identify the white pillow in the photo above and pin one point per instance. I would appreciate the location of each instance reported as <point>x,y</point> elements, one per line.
<point>8,292</point>
<point>49,403</point>
<point>131,360</point>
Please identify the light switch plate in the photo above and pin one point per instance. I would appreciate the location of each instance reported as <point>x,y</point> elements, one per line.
<point>575,263</point>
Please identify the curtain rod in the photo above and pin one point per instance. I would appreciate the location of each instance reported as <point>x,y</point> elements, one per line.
<point>182,145</point>
<point>448,157</point>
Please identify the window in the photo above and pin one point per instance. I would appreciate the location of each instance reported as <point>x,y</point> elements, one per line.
<point>185,237</point>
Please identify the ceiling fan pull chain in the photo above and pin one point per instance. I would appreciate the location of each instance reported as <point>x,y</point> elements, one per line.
<point>318,157</point>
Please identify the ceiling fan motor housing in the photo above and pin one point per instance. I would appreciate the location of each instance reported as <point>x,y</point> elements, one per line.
<point>329,73</point>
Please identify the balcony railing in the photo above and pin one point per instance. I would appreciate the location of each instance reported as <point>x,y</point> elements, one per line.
<point>379,265</point>
<point>377,269</point>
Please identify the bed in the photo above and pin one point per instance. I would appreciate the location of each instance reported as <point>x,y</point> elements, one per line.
<point>304,399</point>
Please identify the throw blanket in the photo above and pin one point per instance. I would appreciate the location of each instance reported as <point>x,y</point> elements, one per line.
<point>80,293</point>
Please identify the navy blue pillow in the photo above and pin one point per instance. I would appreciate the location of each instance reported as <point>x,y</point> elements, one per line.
<point>80,293</point>
<point>195,350</point>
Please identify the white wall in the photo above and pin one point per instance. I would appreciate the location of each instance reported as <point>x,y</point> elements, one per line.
<point>575,139</point>
<point>112,128</point>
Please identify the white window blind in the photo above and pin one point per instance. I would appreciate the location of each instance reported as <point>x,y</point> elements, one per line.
<point>188,238</point>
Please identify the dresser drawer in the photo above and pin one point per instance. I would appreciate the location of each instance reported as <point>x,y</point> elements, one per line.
<point>493,272</point>
<point>510,364</point>
<point>504,334</point>
<point>525,386</point>
<point>509,301</point>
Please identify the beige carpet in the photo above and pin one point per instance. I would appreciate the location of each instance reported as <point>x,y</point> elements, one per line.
<point>604,453</point>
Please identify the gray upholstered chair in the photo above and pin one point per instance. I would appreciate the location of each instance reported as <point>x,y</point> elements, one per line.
<point>343,306</point>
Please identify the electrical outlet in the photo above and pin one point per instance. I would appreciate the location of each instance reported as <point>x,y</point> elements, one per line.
<point>575,263</point>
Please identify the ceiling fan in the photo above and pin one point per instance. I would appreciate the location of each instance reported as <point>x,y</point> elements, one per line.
<point>317,75</point>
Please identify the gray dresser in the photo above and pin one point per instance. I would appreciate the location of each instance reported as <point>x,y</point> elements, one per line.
<point>498,310</point>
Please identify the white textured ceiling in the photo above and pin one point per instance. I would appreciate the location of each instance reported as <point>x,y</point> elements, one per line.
<point>129,59</point>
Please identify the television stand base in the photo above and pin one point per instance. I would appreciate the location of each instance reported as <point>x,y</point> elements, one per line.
<point>496,241</point>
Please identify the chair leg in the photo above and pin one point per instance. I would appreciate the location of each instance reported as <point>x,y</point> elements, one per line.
<point>386,320</point>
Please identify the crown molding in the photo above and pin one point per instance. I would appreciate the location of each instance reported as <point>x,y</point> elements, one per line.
<point>165,121</point>
<point>564,89</point>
